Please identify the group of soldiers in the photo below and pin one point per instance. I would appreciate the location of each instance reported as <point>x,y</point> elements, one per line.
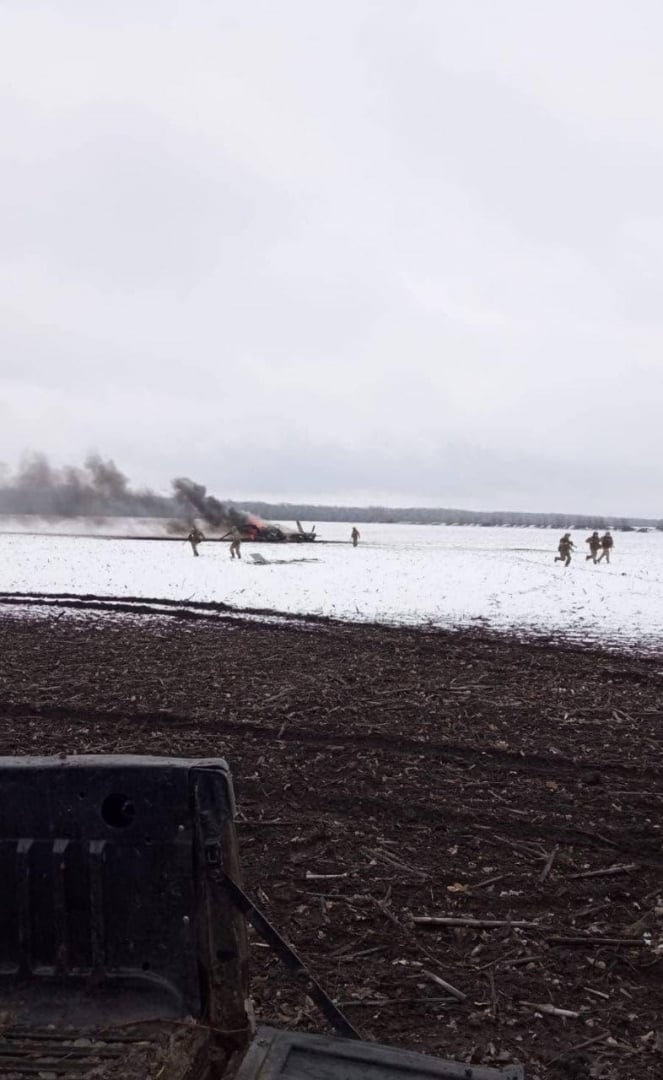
<point>196,537</point>
<point>603,544</point>
<point>596,543</point>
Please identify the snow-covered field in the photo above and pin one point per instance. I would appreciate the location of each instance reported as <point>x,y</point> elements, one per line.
<point>446,576</point>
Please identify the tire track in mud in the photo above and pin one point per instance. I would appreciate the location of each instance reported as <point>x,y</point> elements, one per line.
<point>184,609</point>
<point>643,650</point>
<point>489,758</point>
<point>448,815</point>
<point>450,818</point>
<point>201,609</point>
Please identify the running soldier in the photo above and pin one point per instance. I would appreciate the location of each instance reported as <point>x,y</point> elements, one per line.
<point>195,537</point>
<point>594,546</point>
<point>565,548</point>
<point>235,541</point>
<point>607,544</point>
<point>354,535</point>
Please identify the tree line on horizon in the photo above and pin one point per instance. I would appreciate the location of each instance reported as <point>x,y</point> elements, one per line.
<point>99,489</point>
<point>422,515</point>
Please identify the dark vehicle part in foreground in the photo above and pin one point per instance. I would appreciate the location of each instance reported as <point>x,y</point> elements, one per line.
<point>123,944</point>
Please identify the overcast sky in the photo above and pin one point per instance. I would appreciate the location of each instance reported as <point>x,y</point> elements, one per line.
<point>406,251</point>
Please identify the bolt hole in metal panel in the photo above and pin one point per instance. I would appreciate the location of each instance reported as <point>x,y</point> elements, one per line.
<point>117,810</point>
<point>286,1055</point>
<point>100,888</point>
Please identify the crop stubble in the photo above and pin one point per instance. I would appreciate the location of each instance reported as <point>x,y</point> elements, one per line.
<point>386,775</point>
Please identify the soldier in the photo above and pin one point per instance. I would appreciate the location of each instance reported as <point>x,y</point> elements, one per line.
<point>565,548</point>
<point>354,536</point>
<point>607,544</point>
<point>235,541</point>
<point>195,537</point>
<point>594,546</point>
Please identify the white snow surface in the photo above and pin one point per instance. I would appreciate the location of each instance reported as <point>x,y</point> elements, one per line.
<point>502,578</point>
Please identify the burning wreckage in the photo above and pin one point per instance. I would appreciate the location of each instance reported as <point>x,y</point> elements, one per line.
<point>269,533</point>
<point>193,499</point>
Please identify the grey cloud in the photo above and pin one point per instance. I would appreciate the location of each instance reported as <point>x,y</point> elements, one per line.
<point>371,247</point>
<point>449,474</point>
<point>130,201</point>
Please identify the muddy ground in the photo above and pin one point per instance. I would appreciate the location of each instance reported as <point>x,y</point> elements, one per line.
<point>385,775</point>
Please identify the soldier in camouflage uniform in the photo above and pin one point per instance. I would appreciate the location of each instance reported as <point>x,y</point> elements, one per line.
<point>235,541</point>
<point>195,537</point>
<point>607,544</point>
<point>565,548</point>
<point>594,546</point>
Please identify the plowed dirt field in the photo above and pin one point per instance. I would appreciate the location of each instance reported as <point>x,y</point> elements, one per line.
<point>388,775</point>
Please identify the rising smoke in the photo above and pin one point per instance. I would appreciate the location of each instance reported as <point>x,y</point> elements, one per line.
<point>98,489</point>
<point>195,502</point>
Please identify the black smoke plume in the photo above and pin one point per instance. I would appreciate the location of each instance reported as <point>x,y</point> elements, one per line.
<point>98,489</point>
<point>195,502</point>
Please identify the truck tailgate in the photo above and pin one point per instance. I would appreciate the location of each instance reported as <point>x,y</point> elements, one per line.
<point>289,1055</point>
